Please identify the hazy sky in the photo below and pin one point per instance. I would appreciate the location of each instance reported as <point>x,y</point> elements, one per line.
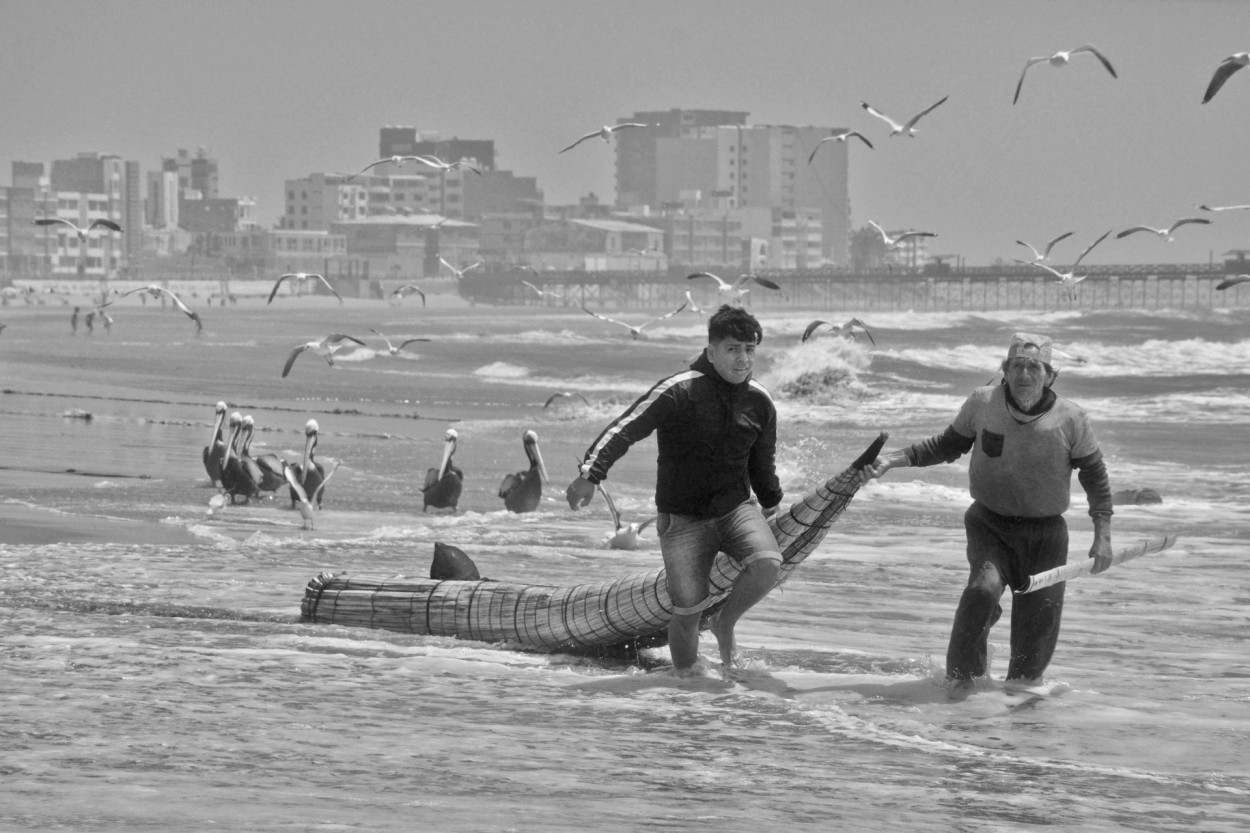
<point>278,89</point>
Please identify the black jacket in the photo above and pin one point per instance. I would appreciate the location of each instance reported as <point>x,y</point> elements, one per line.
<point>717,442</point>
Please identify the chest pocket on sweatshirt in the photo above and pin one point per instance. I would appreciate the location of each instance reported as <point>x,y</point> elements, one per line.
<point>991,443</point>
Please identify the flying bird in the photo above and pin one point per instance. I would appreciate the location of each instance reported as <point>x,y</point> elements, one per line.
<point>635,331</point>
<point>838,136</point>
<point>729,292</point>
<point>394,160</point>
<point>625,536</point>
<point>1038,257</point>
<point>1222,207</point>
<point>392,348</point>
<point>690,304</point>
<point>1060,59</point>
<point>605,132</point>
<point>445,167</point>
<point>397,295</point>
<point>82,232</point>
<point>1233,281</point>
<point>301,276</point>
<point>327,347</point>
<point>838,329</point>
<point>1226,68</point>
<point>1165,233</point>
<point>156,292</point>
<point>562,394</point>
<point>894,242</point>
<point>304,501</point>
<point>459,272</point>
<point>1068,280</point>
<point>907,129</point>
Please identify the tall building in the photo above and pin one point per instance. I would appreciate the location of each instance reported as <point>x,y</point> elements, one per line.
<point>196,174</point>
<point>638,180</point>
<point>397,140</point>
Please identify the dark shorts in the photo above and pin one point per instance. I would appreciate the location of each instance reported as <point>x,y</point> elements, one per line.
<point>689,546</point>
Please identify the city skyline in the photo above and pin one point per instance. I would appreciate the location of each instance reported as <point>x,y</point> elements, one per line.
<point>280,90</point>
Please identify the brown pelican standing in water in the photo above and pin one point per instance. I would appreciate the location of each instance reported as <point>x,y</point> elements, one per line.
<point>522,492</point>
<point>309,472</point>
<point>443,485</point>
<point>215,450</point>
<point>237,477</point>
<point>269,466</point>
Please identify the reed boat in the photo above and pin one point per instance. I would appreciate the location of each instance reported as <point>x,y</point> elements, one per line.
<point>607,618</point>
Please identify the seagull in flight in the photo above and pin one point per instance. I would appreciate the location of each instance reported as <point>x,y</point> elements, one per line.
<point>728,292</point>
<point>305,501</point>
<point>542,293</point>
<point>1233,281</point>
<point>1038,257</point>
<point>1229,65</point>
<point>1068,280</point>
<point>156,292</point>
<point>82,232</point>
<point>625,537</point>
<point>459,272</point>
<point>892,243</point>
<point>1060,59</point>
<point>1221,207</point>
<point>435,162</point>
<point>907,129</point>
<point>634,331</point>
<point>605,132</point>
<point>391,347</point>
<point>564,393</point>
<point>327,347</point>
<point>394,160</point>
<point>1165,233</point>
<point>397,295</point>
<point>691,305</point>
<point>301,276</point>
<point>838,329</point>
<point>839,136</point>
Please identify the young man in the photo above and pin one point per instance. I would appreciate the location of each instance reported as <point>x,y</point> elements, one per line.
<point>1025,442</point>
<point>717,437</point>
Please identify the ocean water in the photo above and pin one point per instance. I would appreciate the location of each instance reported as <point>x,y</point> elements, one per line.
<point>155,674</point>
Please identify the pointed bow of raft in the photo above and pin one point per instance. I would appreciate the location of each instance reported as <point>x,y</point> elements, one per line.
<point>607,618</point>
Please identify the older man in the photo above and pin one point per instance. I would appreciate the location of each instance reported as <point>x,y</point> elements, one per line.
<point>1025,442</point>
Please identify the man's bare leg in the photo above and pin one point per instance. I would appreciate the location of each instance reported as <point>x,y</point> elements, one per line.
<point>753,585</point>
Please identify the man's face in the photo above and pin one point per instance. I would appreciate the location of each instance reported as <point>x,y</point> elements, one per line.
<point>732,359</point>
<point>1027,380</point>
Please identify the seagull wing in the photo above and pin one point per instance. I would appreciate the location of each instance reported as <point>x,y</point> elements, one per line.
<point>408,341</point>
<point>1089,249</point>
<point>290,360</point>
<point>339,338</point>
<point>908,234</point>
<point>1093,50</point>
<point>719,283</point>
<point>861,137</point>
<point>1222,73</point>
<point>1223,207</point>
<point>765,282</point>
<point>274,291</point>
<point>367,167</point>
<point>474,266</point>
<point>605,318</point>
<point>1186,221</point>
<point>1052,243</point>
<point>108,224</point>
<point>924,113</point>
<point>47,221</point>
<point>862,326</point>
<point>326,283</point>
<point>1023,72</point>
<point>880,231</point>
<point>1061,276</point>
<point>384,338</point>
<point>872,111</point>
<point>1233,281</point>
<point>589,135</point>
<point>616,127</point>
<point>818,144</point>
<point>293,482</point>
<point>811,328</point>
<point>1036,254</point>
<point>1136,229</point>
<point>607,498</point>
<point>321,486</point>
<point>127,292</point>
<point>666,315</point>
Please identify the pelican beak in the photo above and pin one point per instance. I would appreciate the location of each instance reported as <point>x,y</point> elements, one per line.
<point>449,448</point>
<point>309,441</point>
<point>217,423</point>
<point>538,459</point>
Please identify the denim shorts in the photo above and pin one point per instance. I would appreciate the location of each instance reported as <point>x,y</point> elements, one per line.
<point>689,546</point>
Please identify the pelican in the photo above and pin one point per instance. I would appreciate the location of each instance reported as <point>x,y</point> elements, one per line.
<point>634,331</point>
<point>301,276</point>
<point>625,536</point>
<point>1060,59</point>
<point>238,478</point>
<point>444,167</point>
<point>839,136</point>
<point>1226,68</point>
<point>268,466</point>
<point>302,499</point>
<point>1233,281</point>
<point>214,451</point>
<point>1165,233</point>
<point>894,242</point>
<point>81,232</point>
<point>907,129</point>
<point>1041,256</point>
<point>605,132</point>
<point>398,161</point>
<point>838,329</point>
<point>522,492</point>
<point>327,347</point>
<point>397,295</point>
<point>561,395</point>
<point>728,292</point>
<point>308,472</point>
<point>1068,280</point>
<point>459,272</point>
<point>392,348</point>
<point>1222,207</point>
<point>156,292</point>
<point>443,485</point>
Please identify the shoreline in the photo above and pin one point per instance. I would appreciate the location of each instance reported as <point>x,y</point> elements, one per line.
<point>24,525</point>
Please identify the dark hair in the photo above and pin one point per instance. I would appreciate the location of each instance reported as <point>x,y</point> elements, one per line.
<point>736,323</point>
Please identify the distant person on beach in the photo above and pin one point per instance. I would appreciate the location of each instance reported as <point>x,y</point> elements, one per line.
<point>73,321</point>
<point>717,437</point>
<point>1025,442</point>
<point>90,322</point>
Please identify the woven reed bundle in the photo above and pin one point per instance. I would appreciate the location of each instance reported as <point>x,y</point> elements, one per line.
<point>603,617</point>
